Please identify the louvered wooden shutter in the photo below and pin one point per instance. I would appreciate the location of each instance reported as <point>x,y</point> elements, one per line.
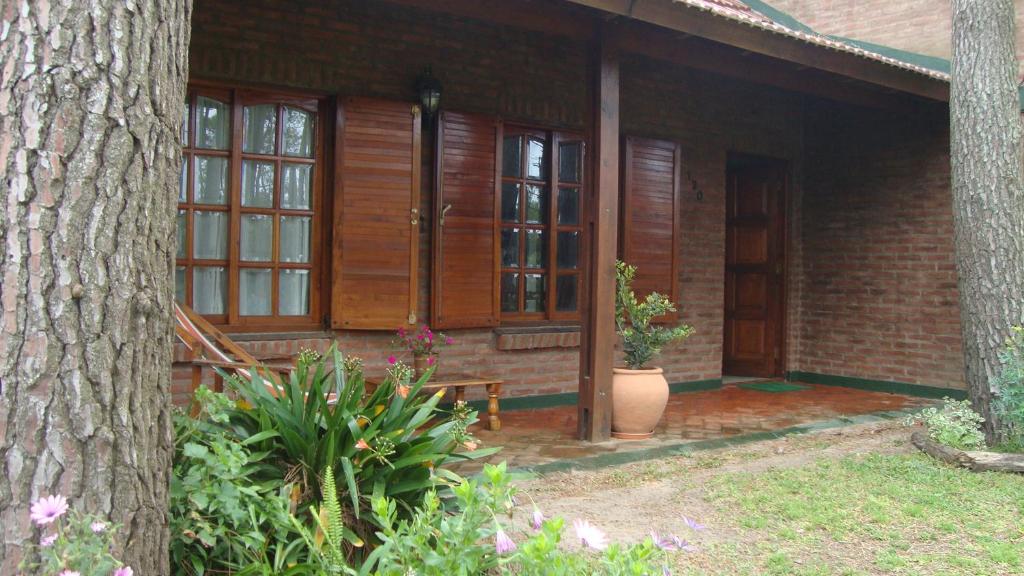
<point>464,287</point>
<point>650,216</point>
<point>376,216</point>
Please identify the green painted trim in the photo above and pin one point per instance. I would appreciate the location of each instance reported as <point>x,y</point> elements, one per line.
<point>685,448</point>
<point>918,390</point>
<point>572,398</point>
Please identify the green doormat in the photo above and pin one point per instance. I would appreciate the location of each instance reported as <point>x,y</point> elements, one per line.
<point>773,386</point>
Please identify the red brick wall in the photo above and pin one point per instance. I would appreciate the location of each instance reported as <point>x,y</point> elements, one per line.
<point>878,281</point>
<point>923,26</point>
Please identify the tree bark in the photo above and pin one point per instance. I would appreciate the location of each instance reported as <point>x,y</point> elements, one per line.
<point>988,189</point>
<point>91,97</point>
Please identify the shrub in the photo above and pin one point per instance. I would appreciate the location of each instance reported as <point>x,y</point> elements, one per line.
<point>383,441</point>
<point>956,424</point>
<point>1008,403</point>
<point>641,340</point>
<point>229,509</point>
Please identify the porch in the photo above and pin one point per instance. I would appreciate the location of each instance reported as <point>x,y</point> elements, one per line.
<point>790,193</point>
<point>545,439</point>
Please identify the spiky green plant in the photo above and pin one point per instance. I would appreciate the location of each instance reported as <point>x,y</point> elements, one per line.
<point>642,340</point>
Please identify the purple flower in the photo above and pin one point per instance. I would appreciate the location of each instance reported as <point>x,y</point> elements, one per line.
<point>124,571</point>
<point>590,535</point>
<point>70,573</point>
<point>392,360</point>
<point>48,541</point>
<point>48,508</point>
<point>502,543</point>
<point>665,571</point>
<point>448,340</point>
<point>693,524</point>
<point>671,543</point>
<point>538,519</point>
<point>98,527</point>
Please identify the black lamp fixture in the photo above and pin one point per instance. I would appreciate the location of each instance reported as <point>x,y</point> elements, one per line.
<point>429,89</point>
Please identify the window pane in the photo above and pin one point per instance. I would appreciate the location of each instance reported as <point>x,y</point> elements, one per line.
<point>569,162</point>
<point>294,292</point>
<point>257,184</point>
<point>510,247</point>
<point>183,181</point>
<point>210,235</point>
<point>295,238</point>
<point>181,253</point>
<point>298,133</point>
<point>569,206</point>
<point>535,249</point>
<point>536,167</point>
<point>535,293</point>
<point>509,292</point>
<point>568,250</point>
<point>254,292</point>
<point>512,156</point>
<point>565,293</point>
<point>184,125</point>
<point>536,204</point>
<point>209,290</point>
<point>212,117</point>
<point>510,202</point>
<point>257,237</point>
<point>295,186</point>
<point>211,182</point>
<point>259,128</point>
<point>179,284</point>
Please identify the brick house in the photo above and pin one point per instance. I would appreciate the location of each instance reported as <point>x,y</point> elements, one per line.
<point>791,191</point>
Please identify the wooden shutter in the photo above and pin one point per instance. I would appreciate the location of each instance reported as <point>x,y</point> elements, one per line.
<point>464,287</point>
<point>650,216</point>
<point>376,216</point>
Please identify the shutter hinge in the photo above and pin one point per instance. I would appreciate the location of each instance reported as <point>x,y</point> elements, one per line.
<point>412,317</point>
<point>415,216</point>
<point>416,110</point>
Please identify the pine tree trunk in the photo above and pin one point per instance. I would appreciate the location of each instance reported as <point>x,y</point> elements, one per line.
<point>988,188</point>
<point>90,105</point>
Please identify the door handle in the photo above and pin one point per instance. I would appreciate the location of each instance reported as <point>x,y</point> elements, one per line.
<point>444,211</point>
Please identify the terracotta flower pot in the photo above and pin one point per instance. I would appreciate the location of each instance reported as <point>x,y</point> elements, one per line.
<point>638,402</point>
<point>422,363</point>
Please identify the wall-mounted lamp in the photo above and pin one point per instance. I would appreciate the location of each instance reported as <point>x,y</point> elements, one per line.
<point>429,89</point>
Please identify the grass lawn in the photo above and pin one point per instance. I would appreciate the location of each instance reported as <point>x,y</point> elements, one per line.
<point>887,514</point>
<point>861,501</point>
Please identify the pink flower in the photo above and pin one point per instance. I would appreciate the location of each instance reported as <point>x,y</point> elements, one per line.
<point>361,444</point>
<point>124,571</point>
<point>70,573</point>
<point>538,519</point>
<point>502,543</point>
<point>401,331</point>
<point>392,360</point>
<point>98,527</point>
<point>48,508</point>
<point>590,535</point>
<point>431,360</point>
<point>448,340</point>
<point>48,541</point>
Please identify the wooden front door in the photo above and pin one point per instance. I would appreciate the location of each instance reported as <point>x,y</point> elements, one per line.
<point>754,266</point>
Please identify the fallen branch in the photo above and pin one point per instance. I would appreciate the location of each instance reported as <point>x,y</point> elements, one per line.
<point>975,460</point>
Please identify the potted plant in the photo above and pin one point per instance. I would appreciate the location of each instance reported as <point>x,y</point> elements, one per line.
<point>639,392</point>
<point>424,344</point>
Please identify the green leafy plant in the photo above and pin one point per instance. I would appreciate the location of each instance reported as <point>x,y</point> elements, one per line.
<point>73,544</point>
<point>1008,403</point>
<point>379,441</point>
<point>641,339</point>
<point>955,424</point>
<point>229,508</point>
<point>327,544</point>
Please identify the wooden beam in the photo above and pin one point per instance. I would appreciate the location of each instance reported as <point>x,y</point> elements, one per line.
<point>545,16</point>
<point>674,16</point>
<point>597,338</point>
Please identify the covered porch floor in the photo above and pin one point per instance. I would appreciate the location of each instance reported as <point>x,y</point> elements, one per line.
<point>545,439</point>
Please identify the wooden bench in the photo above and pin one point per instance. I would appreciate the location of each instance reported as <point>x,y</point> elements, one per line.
<point>460,382</point>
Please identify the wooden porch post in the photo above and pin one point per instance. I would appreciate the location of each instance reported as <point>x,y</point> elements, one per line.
<point>597,337</point>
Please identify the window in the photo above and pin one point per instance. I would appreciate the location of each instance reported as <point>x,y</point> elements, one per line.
<point>540,226</point>
<point>248,226</point>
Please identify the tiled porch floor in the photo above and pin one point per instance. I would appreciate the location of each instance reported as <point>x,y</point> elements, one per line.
<point>542,436</point>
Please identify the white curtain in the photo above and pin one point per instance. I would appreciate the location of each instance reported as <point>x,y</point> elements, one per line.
<point>295,238</point>
<point>254,292</point>
<point>257,184</point>
<point>257,237</point>
<point>294,292</point>
<point>295,185</point>
<point>209,289</point>
<point>210,235</point>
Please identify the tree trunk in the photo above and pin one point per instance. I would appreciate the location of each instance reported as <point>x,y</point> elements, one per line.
<point>987,189</point>
<point>91,97</point>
